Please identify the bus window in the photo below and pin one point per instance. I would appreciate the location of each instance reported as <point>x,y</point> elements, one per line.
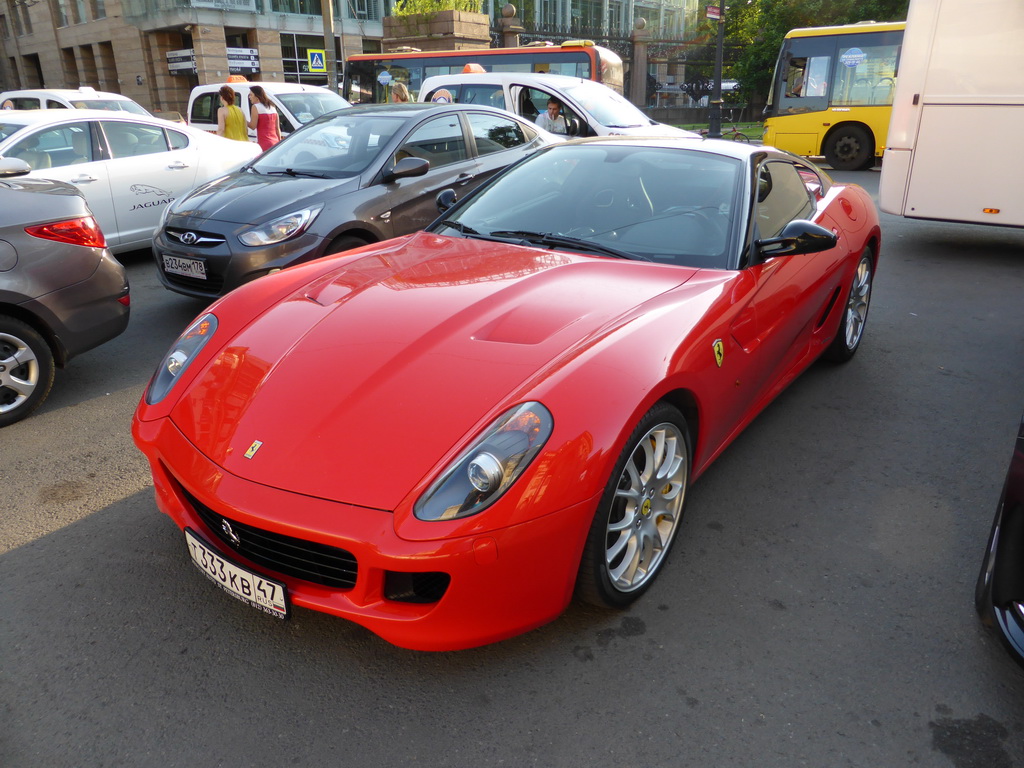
<point>865,75</point>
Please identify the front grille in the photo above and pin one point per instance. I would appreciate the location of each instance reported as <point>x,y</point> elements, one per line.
<point>318,563</point>
<point>194,239</point>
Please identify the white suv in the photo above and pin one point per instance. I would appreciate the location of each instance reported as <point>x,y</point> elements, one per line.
<point>66,98</point>
<point>589,108</point>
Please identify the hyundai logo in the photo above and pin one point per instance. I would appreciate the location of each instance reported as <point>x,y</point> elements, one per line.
<point>230,533</point>
<point>189,238</point>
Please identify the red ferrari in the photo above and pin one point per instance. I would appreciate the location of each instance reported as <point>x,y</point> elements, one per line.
<point>445,436</point>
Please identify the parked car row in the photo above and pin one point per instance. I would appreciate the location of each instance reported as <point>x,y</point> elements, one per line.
<point>579,260</point>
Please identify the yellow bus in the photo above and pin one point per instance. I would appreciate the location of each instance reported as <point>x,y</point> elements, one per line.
<point>832,92</point>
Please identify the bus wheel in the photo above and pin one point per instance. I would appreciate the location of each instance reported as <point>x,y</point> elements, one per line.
<point>849,148</point>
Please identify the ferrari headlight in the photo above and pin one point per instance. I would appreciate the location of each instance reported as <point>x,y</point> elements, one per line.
<point>281,228</point>
<point>181,354</point>
<point>484,471</point>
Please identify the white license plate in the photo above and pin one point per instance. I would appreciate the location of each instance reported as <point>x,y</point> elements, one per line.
<point>184,267</point>
<point>258,591</point>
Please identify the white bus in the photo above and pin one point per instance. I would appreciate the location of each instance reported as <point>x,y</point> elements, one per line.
<point>954,150</point>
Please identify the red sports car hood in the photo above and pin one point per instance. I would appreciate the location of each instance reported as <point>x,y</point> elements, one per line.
<point>357,384</point>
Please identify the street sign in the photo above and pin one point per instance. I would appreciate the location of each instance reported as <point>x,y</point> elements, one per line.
<point>317,60</point>
<point>714,12</point>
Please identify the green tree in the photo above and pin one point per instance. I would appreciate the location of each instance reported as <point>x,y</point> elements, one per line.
<point>758,27</point>
<point>411,7</point>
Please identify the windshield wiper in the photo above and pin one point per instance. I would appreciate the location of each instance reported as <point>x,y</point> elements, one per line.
<point>553,240</point>
<point>294,172</point>
<point>468,231</point>
<point>463,228</point>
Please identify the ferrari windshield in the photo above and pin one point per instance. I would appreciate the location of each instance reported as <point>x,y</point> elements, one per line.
<point>673,206</point>
<point>336,147</point>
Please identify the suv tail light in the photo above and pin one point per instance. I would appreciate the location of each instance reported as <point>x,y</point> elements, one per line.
<point>84,231</point>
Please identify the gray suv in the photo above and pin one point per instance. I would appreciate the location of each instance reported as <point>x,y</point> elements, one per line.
<point>61,291</point>
<point>349,178</point>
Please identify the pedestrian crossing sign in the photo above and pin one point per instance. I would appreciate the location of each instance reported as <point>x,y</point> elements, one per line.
<point>317,60</point>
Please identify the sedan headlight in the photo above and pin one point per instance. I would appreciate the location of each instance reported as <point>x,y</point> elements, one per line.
<point>181,355</point>
<point>483,472</point>
<point>281,228</point>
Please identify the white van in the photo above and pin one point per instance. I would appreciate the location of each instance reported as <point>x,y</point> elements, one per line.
<point>68,98</point>
<point>590,109</point>
<point>297,104</point>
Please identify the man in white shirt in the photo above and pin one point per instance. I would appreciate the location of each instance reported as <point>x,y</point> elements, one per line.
<point>552,120</point>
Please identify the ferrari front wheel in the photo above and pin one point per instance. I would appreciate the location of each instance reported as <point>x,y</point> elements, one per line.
<point>855,313</point>
<point>639,512</point>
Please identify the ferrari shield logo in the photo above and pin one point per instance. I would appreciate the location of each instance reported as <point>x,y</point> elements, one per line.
<point>719,349</point>
<point>256,446</point>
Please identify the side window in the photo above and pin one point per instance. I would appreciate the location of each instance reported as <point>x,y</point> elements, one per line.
<point>488,95</point>
<point>782,197</point>
<point>62,145</point>
<point>133,139</point>
<point>51,104</point>
<point>493,133</point>
<point>26,102</point>
<point>440,141</point>
<point>178,139</point>
<point>204,108</point>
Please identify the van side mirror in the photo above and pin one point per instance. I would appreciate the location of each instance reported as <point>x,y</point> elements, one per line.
<point>797,237</point>
<point>573,126</point>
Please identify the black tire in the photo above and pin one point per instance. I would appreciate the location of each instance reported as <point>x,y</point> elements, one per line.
<point>637,519</point>
<point>741,137</point>
<point>850,148</point>
<point>855,312</point>
<point>26,370</point>
<point>344,243</point>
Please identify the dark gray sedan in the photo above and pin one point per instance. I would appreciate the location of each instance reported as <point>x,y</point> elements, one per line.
<point>350,178</point>
<point>61,292</point>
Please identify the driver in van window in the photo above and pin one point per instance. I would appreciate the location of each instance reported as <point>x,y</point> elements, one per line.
<point>552,120</point>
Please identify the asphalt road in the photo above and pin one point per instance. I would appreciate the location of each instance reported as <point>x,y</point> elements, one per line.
<point>817,609</point>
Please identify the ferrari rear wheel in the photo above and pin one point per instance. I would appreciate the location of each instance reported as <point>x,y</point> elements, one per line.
<point>639,512</point>
<point>26,370</point>
<point>855,314</point>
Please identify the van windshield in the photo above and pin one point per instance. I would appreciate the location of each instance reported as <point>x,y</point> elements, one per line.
<point>309,105</point>
<point>116,105</point>
<point>605,105</point>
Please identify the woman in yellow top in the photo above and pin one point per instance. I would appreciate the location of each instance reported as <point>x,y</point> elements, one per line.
<point>231,122</point>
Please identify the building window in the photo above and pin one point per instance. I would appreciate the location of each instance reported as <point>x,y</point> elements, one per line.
<point>62,13</point>
<point>99,9</point>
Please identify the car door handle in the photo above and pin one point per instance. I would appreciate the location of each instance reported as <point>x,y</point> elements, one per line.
<point>177,165</point>
<point>465,178</point>
<point>83,179</point>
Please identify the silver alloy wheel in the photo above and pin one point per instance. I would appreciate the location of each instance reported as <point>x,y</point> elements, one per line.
<point>857,304</point>
<point>19,372</point>
<point>647,507</point>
